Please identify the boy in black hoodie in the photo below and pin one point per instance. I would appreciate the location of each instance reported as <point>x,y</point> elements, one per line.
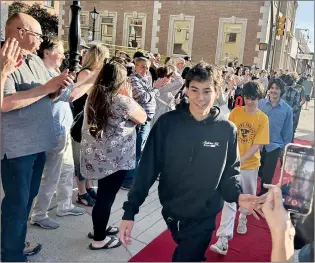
<point>194,150</point>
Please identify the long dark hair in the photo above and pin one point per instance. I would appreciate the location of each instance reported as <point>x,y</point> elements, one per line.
<point>279,83</point>
<point>111,78</point>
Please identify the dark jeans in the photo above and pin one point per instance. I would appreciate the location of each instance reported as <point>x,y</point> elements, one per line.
<point>106,194</point>
<point>143,131</point>
<point>268,166</point>
<point>21,178</point>
<point>306,254</point>
<point>192,237</point>
<point>296,118</point>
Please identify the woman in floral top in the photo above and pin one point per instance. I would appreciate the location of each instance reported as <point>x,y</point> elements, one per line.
<point>108,145</point>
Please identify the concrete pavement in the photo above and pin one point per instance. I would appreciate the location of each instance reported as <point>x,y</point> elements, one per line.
<point>69,243</point>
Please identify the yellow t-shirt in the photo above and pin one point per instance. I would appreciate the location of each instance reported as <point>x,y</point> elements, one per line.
<point>252,129</point>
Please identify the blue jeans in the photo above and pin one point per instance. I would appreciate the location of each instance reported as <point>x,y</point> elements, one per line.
<point>306,254</point>
<point>21,178</point>
<point>143,131</point>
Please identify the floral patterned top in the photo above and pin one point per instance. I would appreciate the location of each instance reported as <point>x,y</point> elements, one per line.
<point>117,148</point>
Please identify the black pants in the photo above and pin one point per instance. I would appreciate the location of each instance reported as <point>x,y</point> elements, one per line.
<point>106,194</point>
<point>268,166</point>
<point>192,237</point>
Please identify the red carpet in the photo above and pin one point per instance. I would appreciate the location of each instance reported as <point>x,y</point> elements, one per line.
<point>255,246</point>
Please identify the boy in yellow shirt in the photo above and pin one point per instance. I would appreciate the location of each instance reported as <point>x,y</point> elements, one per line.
<point>253,132</point>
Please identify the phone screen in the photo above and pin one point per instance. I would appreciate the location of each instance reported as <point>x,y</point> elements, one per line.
<point>298,168</point>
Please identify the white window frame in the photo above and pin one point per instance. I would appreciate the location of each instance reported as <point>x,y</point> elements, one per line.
<point>85,13</point>
<point>170,45</point>
<point>127,17</point>
<point>220,37</point>
<point>49,4</point>
<point>99,25</point>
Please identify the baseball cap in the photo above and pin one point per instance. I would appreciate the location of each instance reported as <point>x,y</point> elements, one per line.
<point>83,44</point>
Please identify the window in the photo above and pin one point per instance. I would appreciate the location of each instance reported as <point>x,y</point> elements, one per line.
<point>135,33</point>
<point>231,37</point>
<point>180,35</point>
<point>107,29</point>
<point>84,20</point>
<point>134,30</point>
<point>50,3</point>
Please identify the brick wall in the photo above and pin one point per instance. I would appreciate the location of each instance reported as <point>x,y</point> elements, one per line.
<point>207,15</point>
<point>120,7</point>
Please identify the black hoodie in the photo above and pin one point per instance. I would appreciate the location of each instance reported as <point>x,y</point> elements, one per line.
<point>197,162</point>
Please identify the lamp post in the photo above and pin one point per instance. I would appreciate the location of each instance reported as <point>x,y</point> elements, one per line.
<point>94,15</point>
<point>74,37</point>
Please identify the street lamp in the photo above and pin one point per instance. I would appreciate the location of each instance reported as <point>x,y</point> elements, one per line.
<point>74,37</point>
<point>94,15</point>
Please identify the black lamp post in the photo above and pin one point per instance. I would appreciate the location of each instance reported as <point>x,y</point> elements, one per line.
<point>74,37</point>
<point>94,15</point>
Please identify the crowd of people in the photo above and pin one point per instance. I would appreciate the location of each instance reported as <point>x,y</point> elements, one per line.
<point>201,130</point>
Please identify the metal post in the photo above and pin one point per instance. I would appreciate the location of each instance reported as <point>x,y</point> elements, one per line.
<point>270,36</point>
<point>93,37</point>
<point>74,37</point>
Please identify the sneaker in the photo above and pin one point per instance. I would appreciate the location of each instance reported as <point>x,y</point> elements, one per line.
<point>75,211</point>
<point>242,227</point>
<point>31,249</point>
<point>221,246</point>
<point>47,223</point>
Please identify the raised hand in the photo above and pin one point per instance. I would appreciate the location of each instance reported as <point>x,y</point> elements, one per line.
<point>160,83</point>
<point>278,219</point>
<point>10,56</point>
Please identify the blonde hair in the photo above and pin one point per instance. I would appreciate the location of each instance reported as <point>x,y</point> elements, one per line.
<point>95,57</point>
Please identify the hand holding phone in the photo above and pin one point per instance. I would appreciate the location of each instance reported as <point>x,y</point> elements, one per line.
<point>297,178</point>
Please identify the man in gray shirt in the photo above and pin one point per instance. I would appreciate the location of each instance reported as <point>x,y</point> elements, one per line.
<point>27,133</point>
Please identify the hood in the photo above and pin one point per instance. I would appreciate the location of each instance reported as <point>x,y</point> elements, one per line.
<point>183,107</point>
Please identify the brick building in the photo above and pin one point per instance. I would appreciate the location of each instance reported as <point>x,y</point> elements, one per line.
<point>215,31</point>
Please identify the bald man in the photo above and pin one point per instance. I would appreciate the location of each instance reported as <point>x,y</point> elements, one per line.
<point>27,133</point>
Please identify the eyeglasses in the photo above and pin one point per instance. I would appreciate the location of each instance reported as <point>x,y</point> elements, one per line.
<point>37,35</point>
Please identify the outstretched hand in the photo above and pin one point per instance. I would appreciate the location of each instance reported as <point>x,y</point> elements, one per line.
<point>250,203</point>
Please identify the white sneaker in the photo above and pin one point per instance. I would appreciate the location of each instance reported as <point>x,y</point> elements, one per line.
<point>242,226</point>
<point>221,246</point>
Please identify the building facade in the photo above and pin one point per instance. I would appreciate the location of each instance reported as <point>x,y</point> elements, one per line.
<point>284,55</point>
<point>214,31</point>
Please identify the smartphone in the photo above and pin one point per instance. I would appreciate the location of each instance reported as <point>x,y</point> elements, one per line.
<point>297,178</point>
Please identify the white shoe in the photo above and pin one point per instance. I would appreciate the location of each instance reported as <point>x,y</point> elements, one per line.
<point>242,226</point>
<point>221,246</point>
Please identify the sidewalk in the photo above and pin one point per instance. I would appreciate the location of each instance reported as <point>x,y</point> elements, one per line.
<point>69,243</point>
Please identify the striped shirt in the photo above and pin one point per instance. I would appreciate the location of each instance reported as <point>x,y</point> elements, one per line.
<point>143,93</point>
